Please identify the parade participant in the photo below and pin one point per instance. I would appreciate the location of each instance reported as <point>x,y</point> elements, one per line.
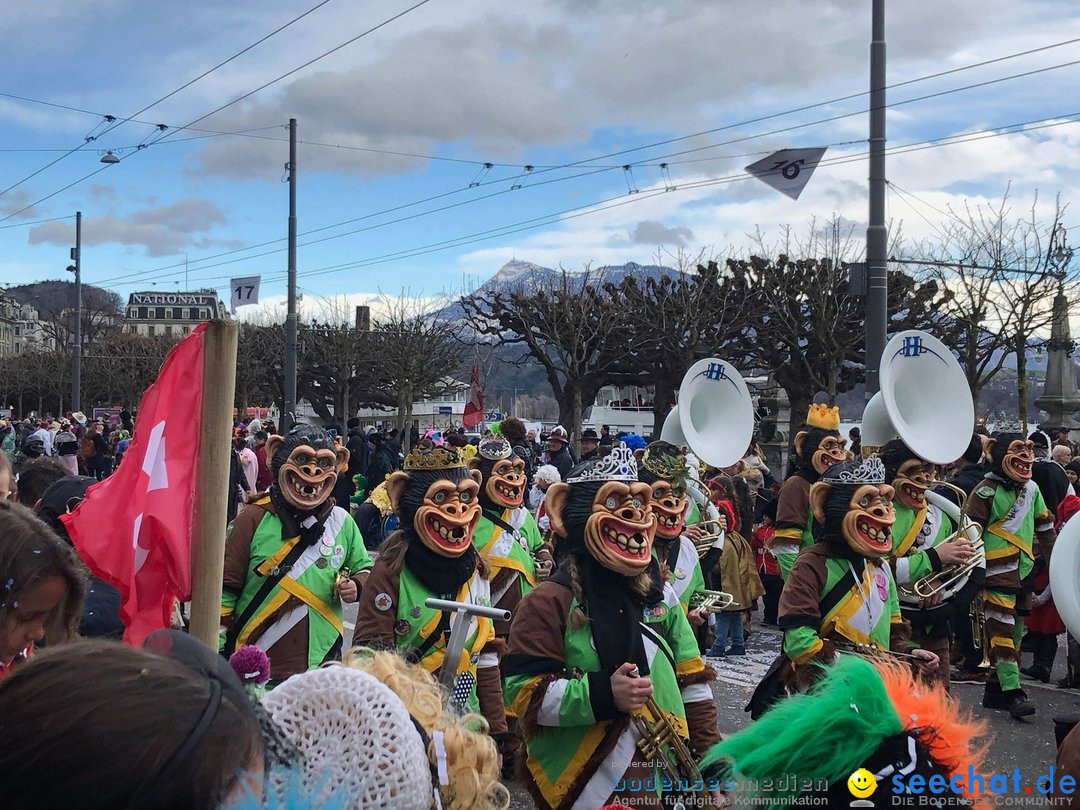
<point>840,592</point>
<point>817,448</point>
<point>126,728</point>
<point>662,466</point>
<point>558,452</point>
<point>292,557</point>
<point>918,547</point>
<point>507,537</point>
<point>591,645</point>
<point>41,586</point>
<point>860,716</point>
<point>1010,508</point>
<point>432,555</point>
<point>590,444</point>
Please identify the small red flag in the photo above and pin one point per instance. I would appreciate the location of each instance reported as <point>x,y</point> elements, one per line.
<point>133,530</point>
<point>474,408</point>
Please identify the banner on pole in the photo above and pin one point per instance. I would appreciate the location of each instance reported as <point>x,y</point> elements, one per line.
<point>789,170</point>
<point>244,291</point>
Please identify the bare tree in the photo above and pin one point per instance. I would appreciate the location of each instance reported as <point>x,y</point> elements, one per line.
<point>577,329</point>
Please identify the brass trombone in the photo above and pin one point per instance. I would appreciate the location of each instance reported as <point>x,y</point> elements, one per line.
<point>711,601</point>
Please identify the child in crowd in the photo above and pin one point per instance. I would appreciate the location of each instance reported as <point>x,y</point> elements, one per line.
<point>767,566</point>
<point>41,587</point>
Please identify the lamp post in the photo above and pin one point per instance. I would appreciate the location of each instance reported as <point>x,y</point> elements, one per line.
<point>1060,398</point>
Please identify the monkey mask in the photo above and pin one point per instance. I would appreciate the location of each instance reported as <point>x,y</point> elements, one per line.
<point>662,466</point>
<point>503,474</point>
<point>909,475</point>
<point>817,449</point>
<point>604,507</point>
<point>436,499</point>
<point>305,466</point>
<point>1011,457</point>
<point>854,504</point>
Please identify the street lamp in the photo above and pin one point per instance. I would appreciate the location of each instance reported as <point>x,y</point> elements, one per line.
<point>1060,255</point>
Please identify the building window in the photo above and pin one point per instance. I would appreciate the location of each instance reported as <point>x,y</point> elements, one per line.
<point>193,313</point>
<point>168,330</point>
<point>178,314</point>
<point>142,313</point>
<point>160,313</point>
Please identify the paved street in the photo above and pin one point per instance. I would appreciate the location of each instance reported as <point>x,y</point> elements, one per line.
<point>1028,745</point>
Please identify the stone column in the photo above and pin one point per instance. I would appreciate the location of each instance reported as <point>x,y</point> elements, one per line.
<point>1060,398</point>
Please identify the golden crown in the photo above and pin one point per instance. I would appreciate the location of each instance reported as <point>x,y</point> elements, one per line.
<point>824,417</point>
<point>666,465</point>
<point>437,458</point>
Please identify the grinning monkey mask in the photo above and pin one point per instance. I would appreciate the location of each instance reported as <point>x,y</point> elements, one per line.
<point>854,504</point>
<point>603,507</point>
<point>817,449</point>
<point>435,498</point>
<point>1011,457</point>
<point>908,474</point>
<point>662,466</point>
<point>503,474</point>
<point>305,466</point>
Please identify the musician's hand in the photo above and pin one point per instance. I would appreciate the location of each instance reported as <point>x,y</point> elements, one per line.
<point>696,617</point>
<point>629,691</point>
<point>544,567</point>
<point>722,522</point>
<point>957,552</point>
<point>693,532</point>
<point>347,590</point>
<point>929,662</point>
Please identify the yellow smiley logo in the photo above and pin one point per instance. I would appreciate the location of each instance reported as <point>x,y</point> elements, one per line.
<point>862,783</point>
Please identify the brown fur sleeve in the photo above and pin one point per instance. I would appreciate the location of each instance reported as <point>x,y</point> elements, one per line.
<point>238,550</point>
<point>701,719</point>
<point>489,693</point>
<point>375,626</point>
<point>977,507</point>
<point>801,596</point>
<point>793,504</point>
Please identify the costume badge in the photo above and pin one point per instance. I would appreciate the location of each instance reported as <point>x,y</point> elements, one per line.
<point>985,491</point>
<point>322,562</point>
<point>882,585</point>
<point>679,573</point>
<point>402,627</point>
<point>384,602</point>
<point>415,612</point>
<point>326,551</point>
<point>655,612</point>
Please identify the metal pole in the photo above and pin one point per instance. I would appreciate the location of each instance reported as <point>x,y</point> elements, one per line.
<point>76,357</point>
<point>289,416</point>
<point>876,234</point>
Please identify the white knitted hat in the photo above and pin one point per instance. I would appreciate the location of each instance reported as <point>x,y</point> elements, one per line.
<point>357,739</point>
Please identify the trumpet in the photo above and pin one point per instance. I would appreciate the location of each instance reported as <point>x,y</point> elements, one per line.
<point>979,640</point>
<point>711,601</point>
<point>945,583</point>
<point>659,740</point>
<point>870,651</point>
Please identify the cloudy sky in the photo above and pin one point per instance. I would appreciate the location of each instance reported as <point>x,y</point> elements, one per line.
<point>397,126</point>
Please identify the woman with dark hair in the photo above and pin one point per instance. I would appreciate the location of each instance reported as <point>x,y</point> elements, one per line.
<point>109,726</point>
<point>41,587</point>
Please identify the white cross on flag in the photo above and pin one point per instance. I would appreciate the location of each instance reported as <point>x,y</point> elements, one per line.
<point>789,170</point>
<point>133,529</point>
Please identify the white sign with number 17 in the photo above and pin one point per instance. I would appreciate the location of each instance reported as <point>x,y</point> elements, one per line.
<point>244,291</point>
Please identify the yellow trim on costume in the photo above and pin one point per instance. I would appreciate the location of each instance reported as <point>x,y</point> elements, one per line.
<point>554,792</point>
<point>313,602</point>
<point>848,607</point>
<point>1002,553</point>
<point>263,500</point>
<point>520,704</point>
<point>485,632</point>
<point>790,533</point>
<point>227,610</point>
<point>268,608</point>
<point>1005,600</point>
<point>505,562</point>
<point>1009,537</point>
<point>809,653</point>
<point>1002,641</point>
<point>263,569</point>
<point>690,666</point>
<point>913,532</point>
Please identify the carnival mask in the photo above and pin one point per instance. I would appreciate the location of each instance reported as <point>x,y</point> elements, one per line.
<point>829,450</point>
<point>1017,461</point>
<point>668,504</point>
<point>619,532</point>
<point>306,476</point>
<point>862,514</point>
<point>448,514</point>
<point>911,481</point>
<point>505,484</point>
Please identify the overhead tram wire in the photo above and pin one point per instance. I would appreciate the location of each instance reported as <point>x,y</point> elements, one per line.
<point>1008,129</point>
<point>37,222</point>
<point>670,140</point>
<point>625,199</point>
<point>234,101</point>
<point>586,162</point>
<point>117,122</point>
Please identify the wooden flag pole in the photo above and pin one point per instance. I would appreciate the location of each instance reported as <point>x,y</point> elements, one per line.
<point>212,480</point>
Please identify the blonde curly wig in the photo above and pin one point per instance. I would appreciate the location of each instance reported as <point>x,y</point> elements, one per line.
<point>472,759</point>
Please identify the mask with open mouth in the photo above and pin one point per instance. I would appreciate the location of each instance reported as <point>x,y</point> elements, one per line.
<point>662,466</point>
<point>818,449</point>
<point>909,475</point>
<point>305,466</point>
<point>503,485</point>
<point>1011,457</point>
<point>438,499</point>
<point>854,506</point>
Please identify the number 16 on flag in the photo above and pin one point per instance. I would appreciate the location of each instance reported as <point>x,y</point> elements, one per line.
<point>244,291</point>
<point>789,170</point>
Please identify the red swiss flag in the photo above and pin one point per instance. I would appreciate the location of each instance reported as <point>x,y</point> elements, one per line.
<point>133,529</point>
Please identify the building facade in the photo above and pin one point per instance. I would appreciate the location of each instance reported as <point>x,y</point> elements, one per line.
<point>30,336</point>
<point>172,314</point>
<point>8,315</point>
